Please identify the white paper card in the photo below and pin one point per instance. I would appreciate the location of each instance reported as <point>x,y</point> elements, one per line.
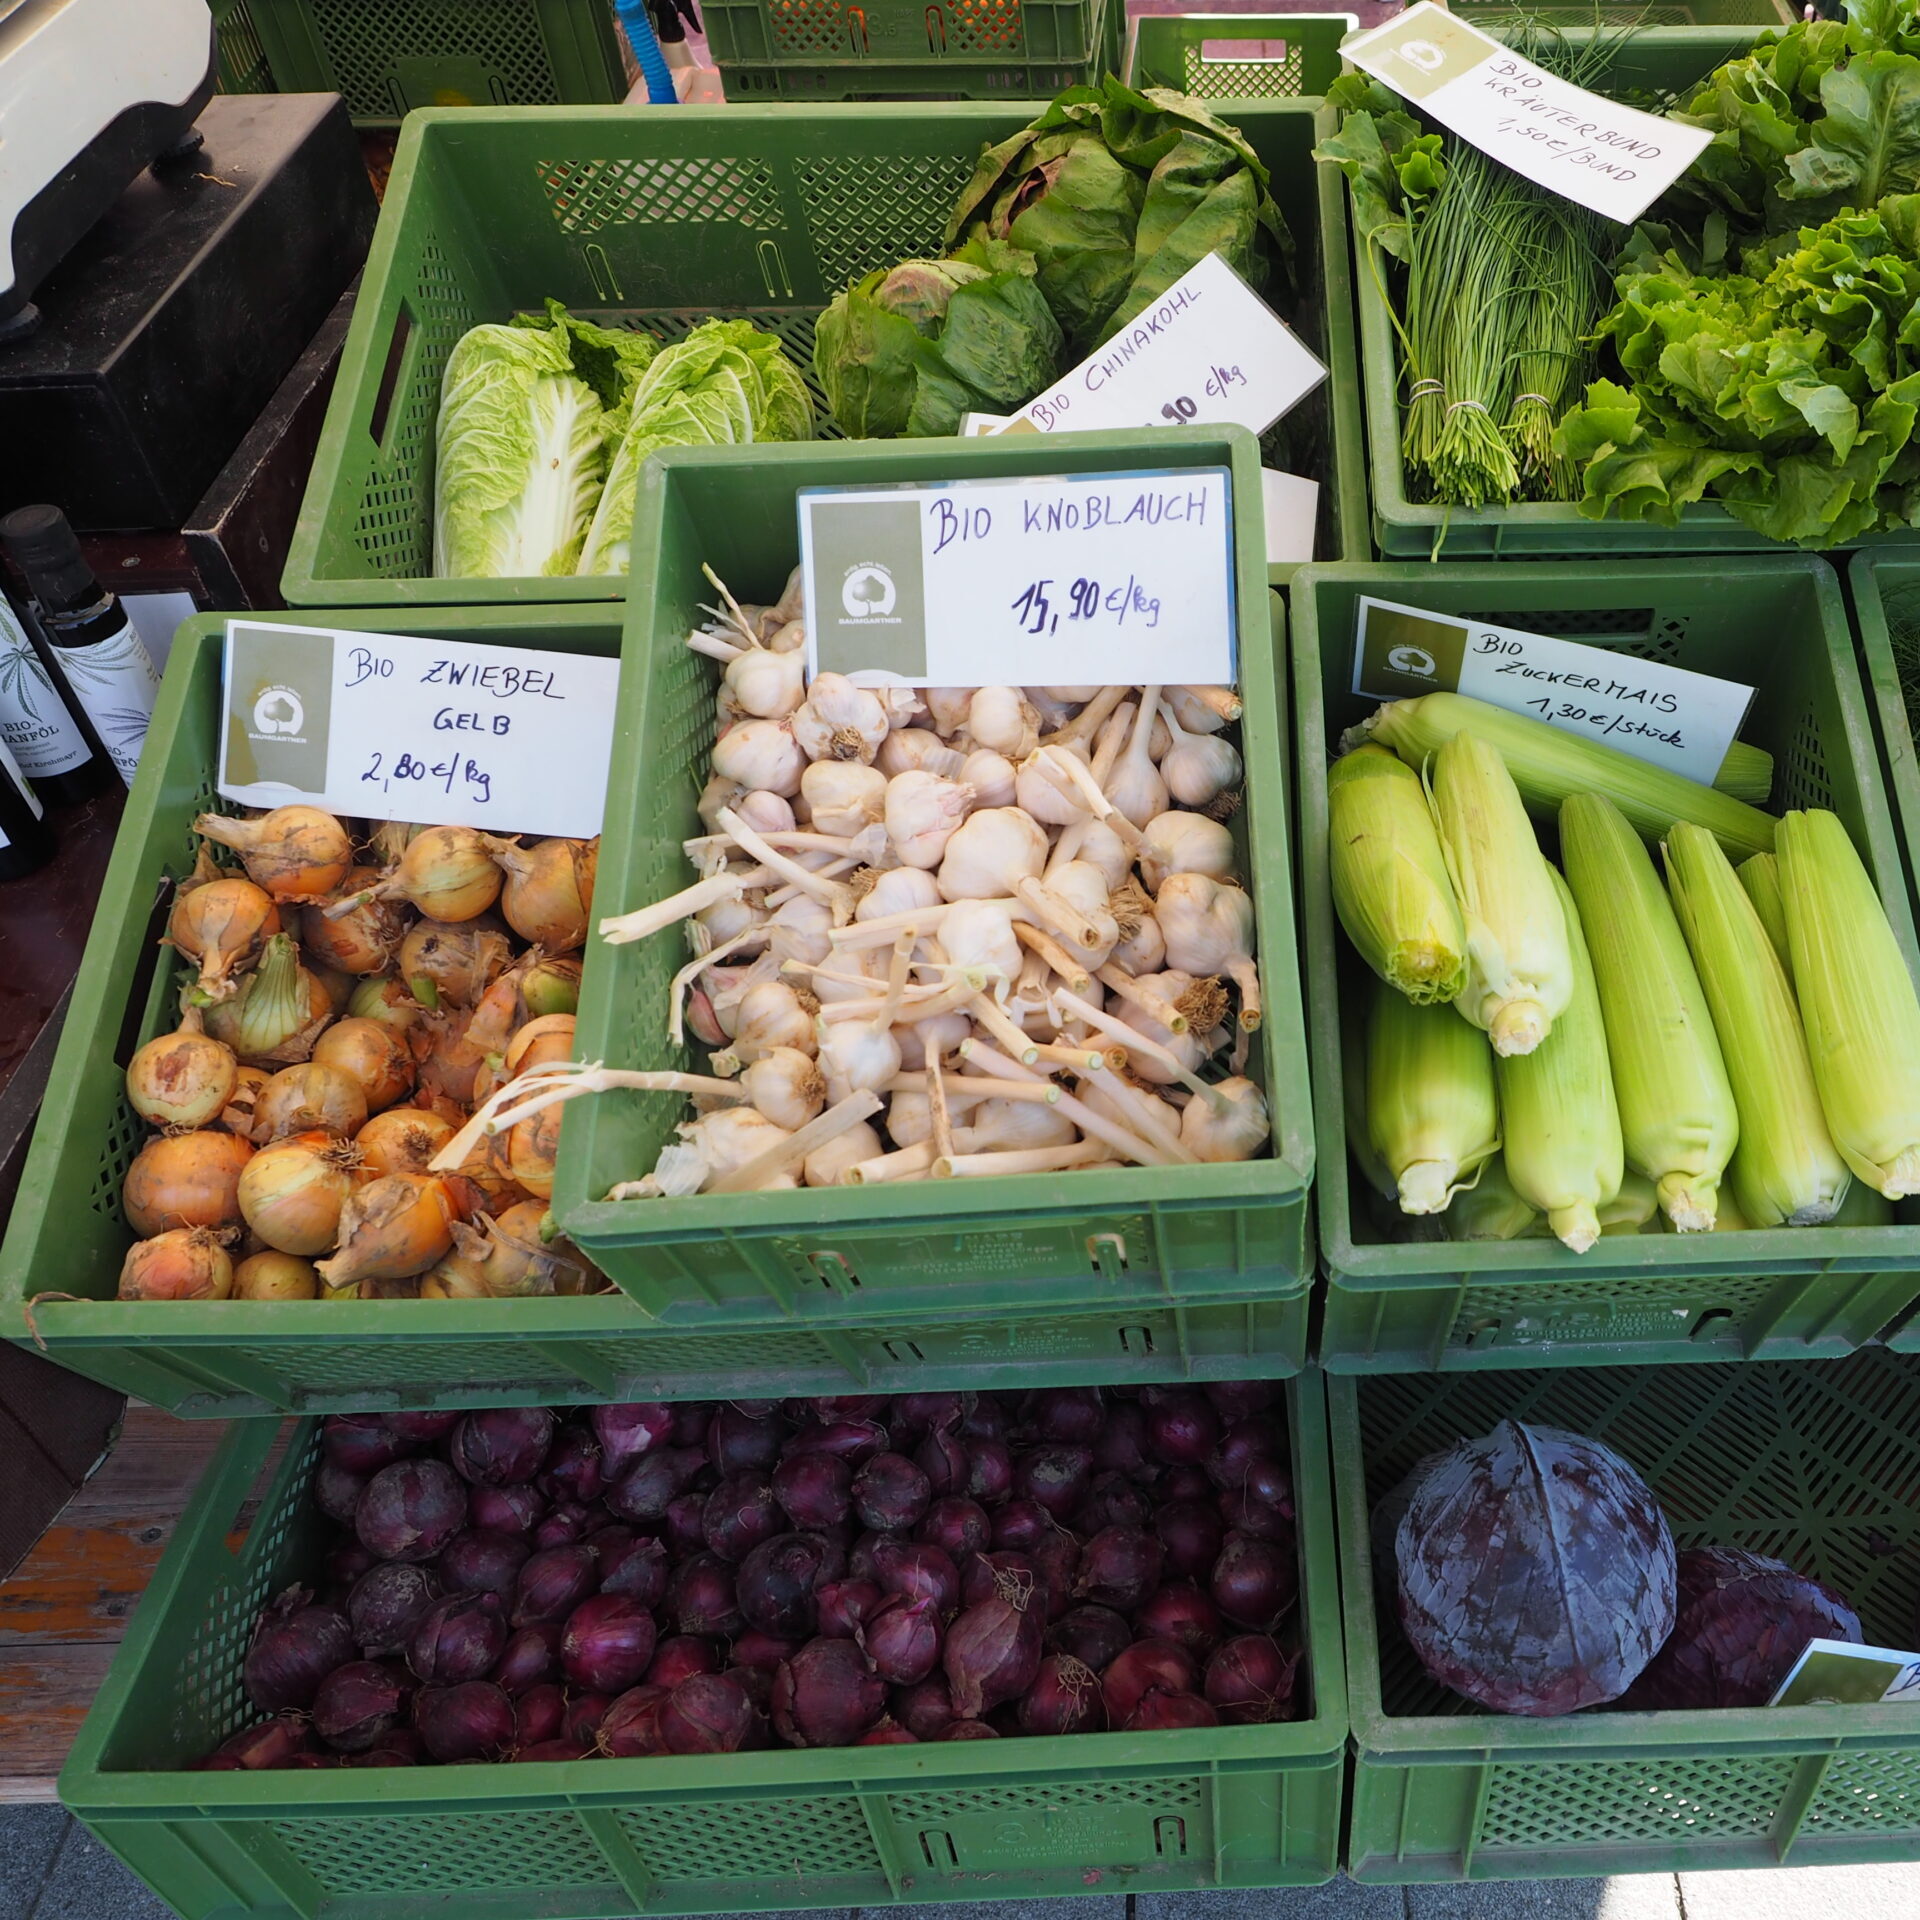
<point>1613,159</point>
<point>1208,352</point>
<point>1846,1674</point>
<point>1676,719</point>
<point>392,727</point>
<point>1293,508</point>
<point>976,426</point>
<point>1121,578</point>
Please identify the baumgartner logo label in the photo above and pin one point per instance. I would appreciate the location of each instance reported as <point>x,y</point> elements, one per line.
<point>867,592</point>
<point>279,713</point>
<point>1414,660</point>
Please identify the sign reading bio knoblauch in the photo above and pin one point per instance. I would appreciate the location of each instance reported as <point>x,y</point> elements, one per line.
<point>1116,577</point>
<point>1613,159</point>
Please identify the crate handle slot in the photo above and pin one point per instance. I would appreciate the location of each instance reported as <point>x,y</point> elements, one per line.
<point>937,1847</point>
<point>1709,1323</point>
<point>1244,52</point>
<point>903,1350</point>
<point>936,29</point>
<point>1137,1341</point>
<point>606,284</point>
<point>1170,1837</point>
<point>773,270</point>
<point>835,1270</point>
<point>390,376</point>
<point>1107,1254</point>
<point>857,29</point>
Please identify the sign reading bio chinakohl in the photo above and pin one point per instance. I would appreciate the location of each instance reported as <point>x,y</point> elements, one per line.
<point>392,727</point>
<point>1612,159</point>
<point>1120,578</point>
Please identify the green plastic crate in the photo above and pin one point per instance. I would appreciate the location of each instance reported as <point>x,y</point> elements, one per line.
<point>1637,14</point>
<point>1813,1463</point>
<point>861,1826</point>
<point>659,220</point>
<point>389,57</point>
<point>1238,56</point>
<point>1885,593</point>
<point>1662,59</point>
<point>949,50</point>
<point>1174,1232</point>
<point>1792,1293</point>
<point>243,63</point>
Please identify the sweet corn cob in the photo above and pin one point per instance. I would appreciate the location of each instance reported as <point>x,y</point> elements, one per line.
<point>1355,1002</point>
<point>1857,1000</point>
<point>1547,764</point>
<point>1519,972</point>
<point>1760,876</point>
<point>1490,1209</point>
<point>1636,1205</point>
<point>1390,885</point>
<point>1431,1113</point>
<point>1746,773</point>
<point>1563,1147</point>
<point>1784,1171</point>
<point>1676,1107</point>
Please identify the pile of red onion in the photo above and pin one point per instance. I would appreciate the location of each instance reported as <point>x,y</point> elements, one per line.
<point>534,1584</point>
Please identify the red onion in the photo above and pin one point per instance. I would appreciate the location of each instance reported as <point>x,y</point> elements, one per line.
<point>890,1493</point>
<point>886,1733</point>
<point>925,1710</point>
<point>1122,1445</point>
<point>860,1559</point>
<point>1192,1535</point>
<point>758,1683</point>
<point>853,1441</point>
<point>401,1747</point>
<point>701,1598</point>
<point>332,1760</point>
<point>813,1489</point>
<point>989,1472</point>
<point>505,1509</point>
<point>970,1730</point>
<point>460,1638</point>
<point>1095,1636</point>
<point>756,1649</point>
<point>585,1711</point>
<point>845,1605</point>
<point>473,1721</point>
<point>980,1575</point>
<point>1181,1613</point>
<point>1113,1501</point>
<point>1064,1698</point>
<point>983,1416</point>
<point>1056,1476</point>
<point>1254,1582</point>
<point>691,1421</point>
<point>1119,1568</point>
<point>476,1562</point>
<point>1020,1526</point>
<point>635,1566</point>
<point>295,1646</point>
<point>264,1747</point>
<point>531,1658</point>
<point>913,1567</point>
<point>1057,1555</point>
<point>348,1564</point>
<point>739,1514</point>
<point>363,1443</point>
<point>1071,1414</point>
<point>826,1695</point>
<point>410,1510</point>
<point>553,1583</point>
<point>1243,1445</point>
<point>1251,1681</point>
<point>502,1446</point>
<point>630,1728</point>
<point>1162,1712</point>
<point>564,1524</point>
<point>678,1657</point>
<point>942,1457</point>
<point>993,1650</point>
<point>627,1431</point>
<point>573,1470</point>
<point>708,1713</point>
<point>775,1587</point>
<point>918,1413</point>
<point>828,1407</point>
<point>1182,1427</point>
<point>546,1750</point>
<point>1147,1663</point>
<point>646,1490</point>
<point>337,1491</point>
<point>424,1425</point>
<point>608,1644</point>
<point>684,1530</point>
<point>957,1526</point>
<point>1259,1518</point>
<point>539,1714</point>
<point>1240,1399</point>
<point>902,1640</point>
<point>1185,1483</point>
<point>360,1702</point>
<point>745,1437</point>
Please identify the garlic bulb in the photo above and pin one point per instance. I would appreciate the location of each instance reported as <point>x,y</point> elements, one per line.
<point>1071,696</point>
<point>932,1038</point>
<point>902,706</point>
<point>1142,948</point>
<point>1184,843</point>
<point>768,1017</point>
<point>839,721</point>
<point>1042,787</point>
<point>1198,767</point>
<point>844,795</point>
<point>1001,718</point>
<point>948,707</point>
<point>856,1055</point>
<point>922,811</point>
<point>765,812</point>
<point>786,1086</point>
<point>1010,1125</point>
<point>762,685</point>
<point>1203,709</point>
<point>978,935</point>
<point>1084,886</point>
<point>1237,1134</point>
<point>717,793</point>
<point>800,929</point>
<point>1000,851</point>
<point>912,747</point>
<point>1208,929</point>
<point>900,890</point>
<point>761,753</point>
<point>1052,713</point>
<point>991,777</point>
<point>1135,786</point>
<point>824,1165</point>
<point>729,1139</point>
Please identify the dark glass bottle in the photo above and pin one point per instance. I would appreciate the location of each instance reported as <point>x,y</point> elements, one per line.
<point>107,668</point>
<point>50,745</point>
<point>26,841</point>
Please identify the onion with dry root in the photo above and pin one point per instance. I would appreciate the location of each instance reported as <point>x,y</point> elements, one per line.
<point>183,1263</point>
<point>222,924</point>
<point>297,854</point>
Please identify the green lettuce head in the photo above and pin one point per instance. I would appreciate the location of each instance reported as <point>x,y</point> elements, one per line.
<point>909,349</point>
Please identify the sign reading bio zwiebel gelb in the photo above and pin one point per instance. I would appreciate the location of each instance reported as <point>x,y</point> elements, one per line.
<point>391,727</point>
<point>1121,578</point>
<point>1588,149</point>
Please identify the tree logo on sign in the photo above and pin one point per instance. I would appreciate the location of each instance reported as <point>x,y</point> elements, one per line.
<point>279,710</point>
<point>868,592</point>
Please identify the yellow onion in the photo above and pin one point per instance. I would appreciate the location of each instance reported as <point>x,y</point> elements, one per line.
<point>241,1112</point>
<point>402,1140</point>
<point>394,1227</point>
<point>452,966</point>
<point>314,1098</point>
<point>387,1001</point>
<point>182,1079</point>
<point>186,1180</point>
<point>391,838</point>
<point>448,1060</point>
<point>448,873</point>
<point>549,1038</point>
<point>372,1056</point>
<point>548,896</point>
<point>339,987</point>
<point>184,1263</point>
<point>489,1264</point>
<point>222,925</point>
<point>279,1011</point>
<point>551,986</point>
<point>532,1226</point>
<point>501,1010</point>
<point>531,1150</point>
<point>456,1277</point>
<point>361,940</point>
<point>297,854</point>
<point>292,1192</point>
<point>275,1276</point>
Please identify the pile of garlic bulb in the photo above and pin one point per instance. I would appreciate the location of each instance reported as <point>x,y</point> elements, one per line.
<point>946,932</point>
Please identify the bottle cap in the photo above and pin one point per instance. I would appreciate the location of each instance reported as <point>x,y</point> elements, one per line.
<point>44,548</point>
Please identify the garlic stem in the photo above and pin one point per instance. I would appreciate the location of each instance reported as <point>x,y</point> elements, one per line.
<point>1054,954</point>
<point>677,993</point>
<point>941,1120</point>
<point>960,1166</point>
<point>1222,700</point>
<point>715,648</point>
<point>907,1163</point>
<point>621,928</point>
<point>839,1118</point>
<point>842,899</point>
<point>1074,1059</point>
<point>1123,1140</point>
<point>880,931</point>
<point>1084,723</point>
<point>734,609</point>
<point>990,1015</point>
<point>1143,1113</point>
<point>1117,980</point>
<point>1137,1042</point>
<point>1246,976</point>
<point>974,1086</point>
<point>1050,910</point>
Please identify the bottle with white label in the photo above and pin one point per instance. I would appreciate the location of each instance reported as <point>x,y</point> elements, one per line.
<point>107,668</point>
<point>37,726</point>
<point>25,841</point>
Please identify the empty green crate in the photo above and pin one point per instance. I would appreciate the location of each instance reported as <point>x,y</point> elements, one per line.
<point>1215,1807</point>
<point>1639,15</point>
<point>243,61</point>
<point>1238,56</point>
<point>388,57</point>
<point>658,220</point>
<point>1776,623</point>
<point>234,1357</point>
<point>1164,1233</point>
<point>1813,1463</point>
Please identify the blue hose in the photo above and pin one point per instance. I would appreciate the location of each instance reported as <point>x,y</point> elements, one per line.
<point>638,23</point>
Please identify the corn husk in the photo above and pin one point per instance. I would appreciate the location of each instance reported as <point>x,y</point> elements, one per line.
<point>1491,1210</point>
<point>1759,874</point>
<point>1431,1112</point>
<point>1746,773</point>
<point>1634,1208</point>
